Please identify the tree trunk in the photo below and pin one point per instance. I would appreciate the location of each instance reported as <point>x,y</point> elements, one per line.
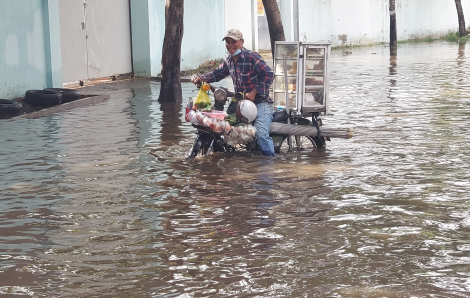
<point>462,29</point>
<point>393,29</point>
<point>170,90</point>
<point>276,30</point>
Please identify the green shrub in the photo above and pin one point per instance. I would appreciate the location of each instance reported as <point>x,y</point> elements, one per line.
<point>452,37</point>
<point>429,39</point>
<point>455,37</point>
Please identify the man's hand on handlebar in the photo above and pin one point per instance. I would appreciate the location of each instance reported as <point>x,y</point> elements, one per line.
<point>252,94</point>
<point>196,80</point>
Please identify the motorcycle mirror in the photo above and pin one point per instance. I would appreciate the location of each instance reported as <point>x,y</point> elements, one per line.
<point>220,94</point>
<point>239,96</point>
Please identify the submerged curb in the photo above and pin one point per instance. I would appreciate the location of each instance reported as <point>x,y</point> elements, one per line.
<point>89,100</point>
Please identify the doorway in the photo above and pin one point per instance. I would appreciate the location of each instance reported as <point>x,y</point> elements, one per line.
<point>95,39</point>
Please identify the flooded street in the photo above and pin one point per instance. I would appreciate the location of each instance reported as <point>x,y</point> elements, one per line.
<point>99,201</point>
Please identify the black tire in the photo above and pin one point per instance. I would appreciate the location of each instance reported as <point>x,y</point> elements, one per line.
<point>207,145</point>
<point>10,108</point>
<point>320,142</point>
<point>195,148</point>
<point>68,95</point>
<point>299,143</point>
<point>202,145</point>
<point>43,98</point>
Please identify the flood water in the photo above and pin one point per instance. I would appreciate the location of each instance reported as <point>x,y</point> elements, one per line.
<point>99,201</point>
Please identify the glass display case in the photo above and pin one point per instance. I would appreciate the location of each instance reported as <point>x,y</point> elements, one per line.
<point>303,67</point>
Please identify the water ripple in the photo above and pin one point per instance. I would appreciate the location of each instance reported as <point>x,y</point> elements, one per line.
<point>100,201</point>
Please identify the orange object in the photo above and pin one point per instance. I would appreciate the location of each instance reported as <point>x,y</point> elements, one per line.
<point>206,87</point>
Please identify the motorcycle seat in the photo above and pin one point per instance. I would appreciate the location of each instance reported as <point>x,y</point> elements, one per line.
<point>280,116</point>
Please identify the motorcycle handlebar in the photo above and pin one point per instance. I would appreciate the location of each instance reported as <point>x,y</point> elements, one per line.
<point>198,85</point>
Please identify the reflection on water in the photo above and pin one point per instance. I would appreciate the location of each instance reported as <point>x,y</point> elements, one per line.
<point>100,202</point>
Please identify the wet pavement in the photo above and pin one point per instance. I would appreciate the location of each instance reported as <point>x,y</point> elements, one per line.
<point>99,201</point>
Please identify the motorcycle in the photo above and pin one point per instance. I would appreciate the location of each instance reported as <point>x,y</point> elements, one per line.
<point>289,132</point>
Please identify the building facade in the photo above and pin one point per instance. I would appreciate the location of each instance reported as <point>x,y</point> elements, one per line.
<point>48,43</point>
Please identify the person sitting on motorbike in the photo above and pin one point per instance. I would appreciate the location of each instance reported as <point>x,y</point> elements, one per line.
<point>251,76</point>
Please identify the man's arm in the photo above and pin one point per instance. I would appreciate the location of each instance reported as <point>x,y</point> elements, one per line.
<point>216,75</point>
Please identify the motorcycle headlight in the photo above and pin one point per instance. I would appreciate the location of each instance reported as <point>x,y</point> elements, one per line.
<point>220,95</point>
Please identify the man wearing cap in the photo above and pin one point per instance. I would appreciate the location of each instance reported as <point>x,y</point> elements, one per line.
<point>250,75</point>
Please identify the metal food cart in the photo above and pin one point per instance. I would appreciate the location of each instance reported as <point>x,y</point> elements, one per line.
<point>301,77</point>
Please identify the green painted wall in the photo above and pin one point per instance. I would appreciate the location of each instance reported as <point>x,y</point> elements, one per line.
<point>202,37</point>
<point>29,58</point>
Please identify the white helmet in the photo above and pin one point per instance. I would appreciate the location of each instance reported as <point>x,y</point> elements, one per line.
<point>246,111</point>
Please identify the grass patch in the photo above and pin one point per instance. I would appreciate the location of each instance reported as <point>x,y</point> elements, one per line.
<point>452,37</point>
<point>416,40</point>
<point>428,39</point>
<point>205,67</point>
<point>455,37</point>
<point>352,46</point>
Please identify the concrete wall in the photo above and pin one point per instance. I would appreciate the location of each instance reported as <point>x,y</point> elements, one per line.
<point>241,14</point>
<point>363,22</point>
<point>203,32</point>
<point>30,50</point>
<point>29,46</point>
<point>439,18</point>
<point>287,14</point>
<point>202,37</point>
<point>148,31</point>
<point>73,40</point>
<point>95,39</point>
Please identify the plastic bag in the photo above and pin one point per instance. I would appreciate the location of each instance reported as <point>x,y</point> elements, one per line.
<point>232,119</point>
<point>190,115</point>
<point>202,101</point>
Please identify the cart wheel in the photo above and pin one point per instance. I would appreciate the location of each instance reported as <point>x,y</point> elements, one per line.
<point>299,143</point>
<point>320,142</point>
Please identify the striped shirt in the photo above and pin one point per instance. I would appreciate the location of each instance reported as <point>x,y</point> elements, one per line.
<point>250,71</point>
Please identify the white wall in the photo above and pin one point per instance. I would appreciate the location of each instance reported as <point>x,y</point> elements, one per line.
<point>241,14</point>
<point>203,32</point>
<point>95,39</point>
<point>439,17</point>
<point>287,10</point>
<point>362,22</point>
